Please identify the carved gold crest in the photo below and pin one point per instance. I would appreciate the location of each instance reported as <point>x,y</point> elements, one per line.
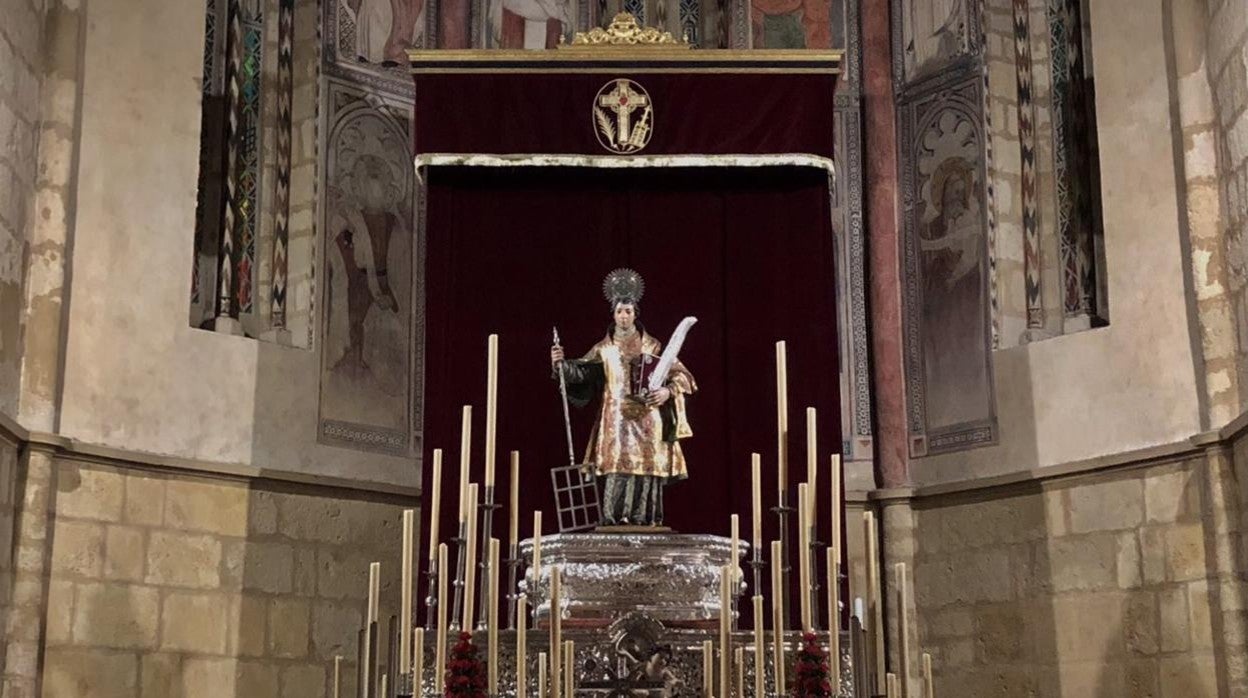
<point>625,31</point>
<point>623,116</point>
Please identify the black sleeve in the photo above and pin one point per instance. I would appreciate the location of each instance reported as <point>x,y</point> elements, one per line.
<point>584,380</point>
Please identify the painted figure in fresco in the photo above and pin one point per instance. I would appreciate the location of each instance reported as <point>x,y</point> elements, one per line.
<point>937,33</point>
<point>531,24</point>
<point>791,23</point>
<point>634,445</point>
<point>373,21</point>
<point>385,29</point>
<point>951,243</point>
<point>365,227</point>
<point>409,19</point>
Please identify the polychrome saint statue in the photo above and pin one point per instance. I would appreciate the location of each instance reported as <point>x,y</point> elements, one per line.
<point>635,443</point>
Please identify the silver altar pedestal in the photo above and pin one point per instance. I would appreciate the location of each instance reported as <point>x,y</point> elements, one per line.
<point>668,577</point>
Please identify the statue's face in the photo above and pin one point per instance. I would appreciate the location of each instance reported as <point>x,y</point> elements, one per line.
<point>625,316</point>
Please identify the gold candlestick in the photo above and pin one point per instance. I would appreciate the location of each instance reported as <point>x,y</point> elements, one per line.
<point>418,662</point>
<point>556,639</point>
<point>903,623</point>
<point>522,647</point>
<point>837,509</point>
<point>491,406</point>
<point>725,629</point>
<point>812,446</point>
<point>405,593</point>
<point>537,544</point>
<point>708,670</point>
<point>491,620</point>
<point>435,504</point>
<point>834,622</point>
<point>569,669</point>
<point>439,677</point>
<point>875,618</point>
<point>738,655</point>
<point>470,576</point>
<point>777,617</point>
<point>465,454</point>
<point>756,500</point>
<point>782,417</point>
<point>374,590</point>
<point>760,661</point>
<point>890,681</point>
<point>337,676</point>
<point>514,536</point>
<point>803,556</point>
<point>541,675</point>
<point>929,687</point>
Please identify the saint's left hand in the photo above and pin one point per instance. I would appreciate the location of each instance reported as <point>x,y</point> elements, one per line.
<point>658,397</point>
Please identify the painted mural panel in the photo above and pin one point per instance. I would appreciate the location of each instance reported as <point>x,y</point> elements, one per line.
<point>932,33</point>
<point>948,330</point>
<point>366,348</point>
<point>792,23</point>
<point>378,32</point>
<point>529,24</point>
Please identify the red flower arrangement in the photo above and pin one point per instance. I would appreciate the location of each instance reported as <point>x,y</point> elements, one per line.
<point>812,680</point>
<point>465,672</point>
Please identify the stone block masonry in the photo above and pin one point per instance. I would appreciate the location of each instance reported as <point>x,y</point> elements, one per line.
<point>1127,583</point>
<point>170,585</point>
<point>20,76</point>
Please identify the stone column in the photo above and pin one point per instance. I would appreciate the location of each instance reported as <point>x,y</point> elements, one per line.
<point>1226,63</point>
<point>53,220</point>
<point>24,621</point>
<point>1200,196</point>
<point>883,245</point>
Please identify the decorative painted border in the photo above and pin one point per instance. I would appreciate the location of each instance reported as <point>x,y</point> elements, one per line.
<point>281,224</point>
<point>1027,152</point>
<point>856,429</point>
<point>959,88</point>
<point>990,190</point>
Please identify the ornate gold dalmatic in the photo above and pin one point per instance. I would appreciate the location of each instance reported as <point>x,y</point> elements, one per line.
<point>628,438</point>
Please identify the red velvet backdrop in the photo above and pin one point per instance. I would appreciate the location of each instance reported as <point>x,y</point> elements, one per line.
<point>748,251</point>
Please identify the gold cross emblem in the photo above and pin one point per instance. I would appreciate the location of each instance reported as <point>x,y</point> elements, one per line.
<point>623,115</point>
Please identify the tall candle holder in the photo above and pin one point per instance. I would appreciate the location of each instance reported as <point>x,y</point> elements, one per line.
<point>757,564</point>
<point>782,511</point>
<point>457,607</point>
<point>815,546</point>
<point>431,599</point>
<point>487,507</point>
<point>513,567</point>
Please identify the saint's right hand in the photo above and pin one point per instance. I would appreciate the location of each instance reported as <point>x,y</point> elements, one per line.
<point>556,354</point>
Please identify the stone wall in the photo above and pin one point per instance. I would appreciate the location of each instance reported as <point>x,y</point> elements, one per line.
<point>20,60</point>
<point>1227,67</point>
<point>165,584</point>
<point>8,489</point>
<point>136,376</point>
<point>1134,381</point>
<point>1126,583</point>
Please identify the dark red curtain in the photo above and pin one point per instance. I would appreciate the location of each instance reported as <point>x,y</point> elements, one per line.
<point>749,251</point>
